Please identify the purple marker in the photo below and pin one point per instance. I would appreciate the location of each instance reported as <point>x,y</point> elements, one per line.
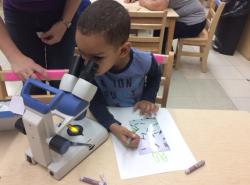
<point>93,181</point>
<point>89,181</point>
<point>196,166</point>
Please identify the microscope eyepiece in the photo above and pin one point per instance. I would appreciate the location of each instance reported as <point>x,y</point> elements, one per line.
<point>76,66</point>
<point>88,73</point>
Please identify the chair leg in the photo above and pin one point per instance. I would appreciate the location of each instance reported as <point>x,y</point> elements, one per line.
<point>201,51</point>
<point>3,90</point>
<point>178,54</point>
<point>204,60</point>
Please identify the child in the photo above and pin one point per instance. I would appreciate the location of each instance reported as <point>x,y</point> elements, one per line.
<point>125,77</point>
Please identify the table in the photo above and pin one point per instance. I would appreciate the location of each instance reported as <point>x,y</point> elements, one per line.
<point>222,138</point>
<point>170,21</point>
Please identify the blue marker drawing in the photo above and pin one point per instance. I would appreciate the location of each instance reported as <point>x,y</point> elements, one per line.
<point>152,139</point>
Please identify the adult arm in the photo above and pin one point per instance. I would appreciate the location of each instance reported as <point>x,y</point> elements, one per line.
<point>154,4</point>
<point>56,32</point>
<point>22,65</point>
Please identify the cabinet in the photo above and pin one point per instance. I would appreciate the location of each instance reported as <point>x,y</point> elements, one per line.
<point>244,44</point>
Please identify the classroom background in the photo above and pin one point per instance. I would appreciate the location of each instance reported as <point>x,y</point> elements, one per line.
<point>225,86</point>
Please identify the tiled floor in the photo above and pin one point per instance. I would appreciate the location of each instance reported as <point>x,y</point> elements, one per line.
<point>226,85</point>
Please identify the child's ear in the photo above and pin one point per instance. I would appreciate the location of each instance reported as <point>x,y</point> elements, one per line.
<point>125,49</point>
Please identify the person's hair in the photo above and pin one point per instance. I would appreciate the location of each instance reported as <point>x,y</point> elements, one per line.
<point>106,17</point>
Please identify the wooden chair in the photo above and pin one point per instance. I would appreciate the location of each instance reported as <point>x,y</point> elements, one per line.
<point>147,22</point>
<point>167,61</point>
<point>7,76</point>
<point>203,41</point>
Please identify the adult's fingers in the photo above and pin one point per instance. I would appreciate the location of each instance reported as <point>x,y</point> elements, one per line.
<point>50,41</point>
<point>48,37</point>
<point>21,76</point>
<point>41,72</point>
<point>45,35</point>
<point>129,1</point>
<point>25,75</point>
<point>33,75</point>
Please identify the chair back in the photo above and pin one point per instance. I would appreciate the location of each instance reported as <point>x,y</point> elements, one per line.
<point>143,24</point>
<point>10,76</point>
<point>167,62</point>
<point>213,17</point>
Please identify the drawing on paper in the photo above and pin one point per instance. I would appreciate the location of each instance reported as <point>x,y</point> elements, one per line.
<point>151,137</point>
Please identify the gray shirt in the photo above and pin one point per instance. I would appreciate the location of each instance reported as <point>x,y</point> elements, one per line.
<point>190,11</point>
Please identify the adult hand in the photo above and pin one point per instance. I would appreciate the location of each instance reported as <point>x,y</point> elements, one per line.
<point>130,1</point>
<point>146,108</point>
<point>25,67</point>
<point>143,3</point>
<point>54,34</point>
<point>127,137</point>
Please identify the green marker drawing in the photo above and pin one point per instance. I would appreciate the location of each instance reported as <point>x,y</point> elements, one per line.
<point>160,157</point>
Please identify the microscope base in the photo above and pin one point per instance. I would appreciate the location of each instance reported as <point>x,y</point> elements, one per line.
<point>93,133</point>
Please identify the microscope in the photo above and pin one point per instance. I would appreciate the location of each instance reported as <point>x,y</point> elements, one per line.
<point>61,145</point>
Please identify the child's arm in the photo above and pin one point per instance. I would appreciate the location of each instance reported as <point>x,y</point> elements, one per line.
<point>99,110</point>
<point>127,137</point>
<point>152,83</point>
<point>147,104</point>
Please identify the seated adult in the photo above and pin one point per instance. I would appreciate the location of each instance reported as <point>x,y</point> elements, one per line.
<point>191,20</point>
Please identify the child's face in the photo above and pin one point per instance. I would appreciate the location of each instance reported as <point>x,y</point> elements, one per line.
<point>94,46</point>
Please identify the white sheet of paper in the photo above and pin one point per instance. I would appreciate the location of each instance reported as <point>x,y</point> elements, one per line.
<point>132,164</point>
<point>16,105</point>
<point>4,106</point>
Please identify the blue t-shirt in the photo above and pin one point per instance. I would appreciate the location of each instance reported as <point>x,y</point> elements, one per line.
<point>139,80</point>
<point>125,87</point>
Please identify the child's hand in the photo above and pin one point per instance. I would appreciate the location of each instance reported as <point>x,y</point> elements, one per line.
<point>146,108</point>
<point>127,137</point>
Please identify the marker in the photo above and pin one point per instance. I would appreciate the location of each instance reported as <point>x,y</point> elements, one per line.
<point>129,141</point>
<point>195,167</point>
<point>89,181</point>
<point>93,181</point>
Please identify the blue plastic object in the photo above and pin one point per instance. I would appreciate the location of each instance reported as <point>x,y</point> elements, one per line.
<point>36,104</point>
<point>71,105</point>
